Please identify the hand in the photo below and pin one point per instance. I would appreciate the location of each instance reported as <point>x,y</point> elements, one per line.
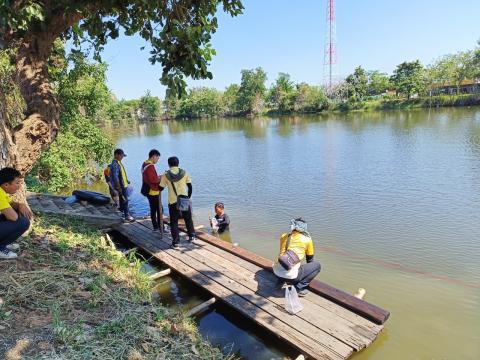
<point>24,210</point>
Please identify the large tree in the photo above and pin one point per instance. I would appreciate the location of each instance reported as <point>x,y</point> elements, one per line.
<point>409,78</point>
<point>358,84</point>
<point>178,31</point>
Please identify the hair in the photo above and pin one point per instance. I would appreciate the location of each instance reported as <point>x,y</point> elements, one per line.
<point>173,161</point>
<point>300,219</point>
<point>219,205</point>
<point>8,174</point>
<point>153,152</point>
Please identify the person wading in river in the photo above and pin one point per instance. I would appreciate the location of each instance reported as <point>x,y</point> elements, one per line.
<point>151,178</point>
<point>14,217</point>
<point>294,247</point>
<point>180,190</point>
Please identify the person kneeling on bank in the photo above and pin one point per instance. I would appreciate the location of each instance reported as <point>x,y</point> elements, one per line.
<point>14,217</point>
<point>294,247</point>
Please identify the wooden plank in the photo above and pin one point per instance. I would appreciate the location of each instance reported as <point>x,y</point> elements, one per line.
<point>182,263</point>
<point>317,316</point>
<point>360,307</point>
<point>363,323</point>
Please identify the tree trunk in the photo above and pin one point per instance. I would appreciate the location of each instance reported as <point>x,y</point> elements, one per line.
<point>40,126</point>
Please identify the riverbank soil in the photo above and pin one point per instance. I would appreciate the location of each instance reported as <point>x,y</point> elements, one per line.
<point>71,295</point>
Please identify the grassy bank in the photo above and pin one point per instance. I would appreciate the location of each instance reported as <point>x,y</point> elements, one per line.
<point>71,296</point>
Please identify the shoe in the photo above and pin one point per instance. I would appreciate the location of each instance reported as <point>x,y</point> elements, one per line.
<point>156,229</point>
<point>7,254</point>
<point>129,218</point>
<point>174,245</point>
<point>13,247</point>
<point>303,292</point>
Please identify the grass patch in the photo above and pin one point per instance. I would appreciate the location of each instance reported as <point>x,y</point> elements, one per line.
<point>71,296</point>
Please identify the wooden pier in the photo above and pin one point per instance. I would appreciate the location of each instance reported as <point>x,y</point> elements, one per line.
<point>324,329</point>
<point>332,325</point>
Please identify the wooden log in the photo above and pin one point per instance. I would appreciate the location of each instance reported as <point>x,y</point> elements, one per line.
<point>199,308</point>
<point>160,274</point>
<point>348,301</point>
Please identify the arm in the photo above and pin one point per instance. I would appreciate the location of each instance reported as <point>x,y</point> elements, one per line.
<point>190,189</point>
<point>10,214</point>
<point>115,175</point>
<point>151,176</point>
<point>309,251</point>
<point>23,209</point>
<point>163,183</point>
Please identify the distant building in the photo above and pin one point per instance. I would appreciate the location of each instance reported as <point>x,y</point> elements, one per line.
<point>465,87</point>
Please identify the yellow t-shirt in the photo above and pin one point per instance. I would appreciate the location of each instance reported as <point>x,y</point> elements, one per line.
<point>302,245</point>
<point>180,186</point>
<point>5,200</point>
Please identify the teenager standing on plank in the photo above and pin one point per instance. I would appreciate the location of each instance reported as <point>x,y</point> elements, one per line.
<point>179,185</point>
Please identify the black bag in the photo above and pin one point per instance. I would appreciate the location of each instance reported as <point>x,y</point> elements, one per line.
<point>290,258</point>
<point>145,190</point>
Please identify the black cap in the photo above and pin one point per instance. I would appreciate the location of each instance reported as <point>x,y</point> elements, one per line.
<point>119,152</point>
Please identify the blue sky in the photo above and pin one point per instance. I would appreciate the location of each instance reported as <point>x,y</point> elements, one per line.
<point>289,36</point>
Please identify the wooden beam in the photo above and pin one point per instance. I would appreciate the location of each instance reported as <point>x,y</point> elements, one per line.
<point>160,274</point>
<point>199,308</point>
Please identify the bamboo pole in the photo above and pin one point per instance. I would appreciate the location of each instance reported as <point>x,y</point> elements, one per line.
<point>199,308</point>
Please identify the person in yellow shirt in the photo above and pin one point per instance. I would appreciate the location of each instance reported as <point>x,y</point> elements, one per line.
<point>294,247</point>
<point>179,184</point>
<point>14,217</point>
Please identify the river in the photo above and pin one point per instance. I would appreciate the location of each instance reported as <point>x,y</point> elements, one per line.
<point>392,201</point>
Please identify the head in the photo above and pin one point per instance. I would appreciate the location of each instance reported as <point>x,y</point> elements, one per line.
<point>173,161</point>
<point>299,225</point>
<point>154,156</point>
<point>118,154</point>
<point>219,208</point>
<point>10,180</point>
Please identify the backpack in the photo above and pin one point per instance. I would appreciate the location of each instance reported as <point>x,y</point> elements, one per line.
<point>106,173</point>
<point>145,189</point>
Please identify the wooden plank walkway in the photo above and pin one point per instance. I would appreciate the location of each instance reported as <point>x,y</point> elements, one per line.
<point>98,215</point>
<point>322,330</point>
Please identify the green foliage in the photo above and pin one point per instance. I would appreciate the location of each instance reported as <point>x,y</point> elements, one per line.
<point>357,84</point>
<point>80,145</point>
<point>310,99</point>
<point>282,94</point>
<point>230,99</point>
<point>251,93</point>
<point>201,102</point>
<point>409,78</point>
<point>178,32</point>
<point>378,83</point>
<point>149,106</point>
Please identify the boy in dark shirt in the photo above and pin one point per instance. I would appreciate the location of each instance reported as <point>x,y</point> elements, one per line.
<point>221,221</point>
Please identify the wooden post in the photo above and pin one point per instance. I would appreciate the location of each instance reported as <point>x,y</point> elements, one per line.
<point>199,308</point>
<point>160,274</point>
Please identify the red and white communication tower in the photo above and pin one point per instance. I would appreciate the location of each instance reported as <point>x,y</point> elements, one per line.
<point>330,54</point>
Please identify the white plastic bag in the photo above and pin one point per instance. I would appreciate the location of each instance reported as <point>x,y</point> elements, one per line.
<point>292,302</point>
